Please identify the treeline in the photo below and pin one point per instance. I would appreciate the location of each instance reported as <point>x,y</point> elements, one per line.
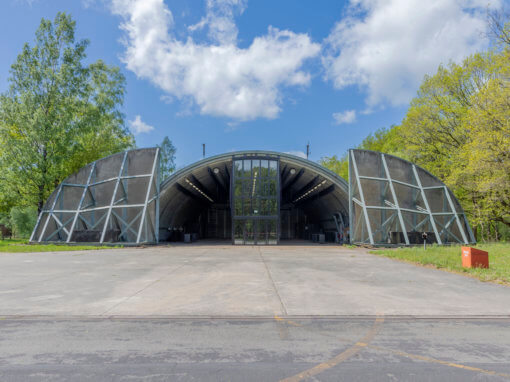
<point>458,128</point>
<point>58,115</point>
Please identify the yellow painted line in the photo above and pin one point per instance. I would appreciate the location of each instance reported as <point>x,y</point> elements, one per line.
<point>438,361</point>
<point>278,318</point>
<point>356,348</point>
<point>365,342</point>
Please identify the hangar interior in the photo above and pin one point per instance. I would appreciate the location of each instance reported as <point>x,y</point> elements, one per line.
<point>252,198</point>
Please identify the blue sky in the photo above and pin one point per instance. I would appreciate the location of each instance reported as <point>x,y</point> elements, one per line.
<point>269,75</point>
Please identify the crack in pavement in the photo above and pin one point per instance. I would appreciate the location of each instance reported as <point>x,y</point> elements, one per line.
<point>284,310</point>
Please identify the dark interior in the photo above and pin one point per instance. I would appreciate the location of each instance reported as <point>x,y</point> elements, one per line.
<point>196,201</point>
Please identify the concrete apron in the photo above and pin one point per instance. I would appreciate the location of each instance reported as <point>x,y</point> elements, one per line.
<point>234,281</point>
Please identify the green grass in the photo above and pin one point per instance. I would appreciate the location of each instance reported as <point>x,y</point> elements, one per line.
<point>449,258</point>
<point>21,245</point>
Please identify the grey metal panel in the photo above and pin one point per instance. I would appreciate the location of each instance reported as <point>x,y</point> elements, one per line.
<point>108,174</point>
<point>395,199</point>
<point>440,203</point>
<point>363,205</point>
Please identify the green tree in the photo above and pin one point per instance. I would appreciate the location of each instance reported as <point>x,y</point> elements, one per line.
<point>57,115</point>
<point>23,220</point>
<point>458,127</point>
<point>339,166</point>
<point>385,140</point>
<point>167,157</point>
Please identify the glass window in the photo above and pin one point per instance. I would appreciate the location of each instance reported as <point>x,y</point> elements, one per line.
<point>247,207</point>
<point>238,187</point>
<point>247,168</point>
<point>238,168</point>
<point>272,207</point>
<point>256,206</point>
<point>249,232</point>
<point>247,184</point>
<point>272,188</point>
<point>261,232</point>
<point>238,231</point>
<point>256,167</point>
<point>273,165</point>
<point>264,168</point>
<point>238,205</point>
<point>255,196</point>
<point>263,207</point>
<point>271,230</point>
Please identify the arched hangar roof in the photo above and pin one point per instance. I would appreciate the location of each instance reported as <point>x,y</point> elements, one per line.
<point>180,198</point>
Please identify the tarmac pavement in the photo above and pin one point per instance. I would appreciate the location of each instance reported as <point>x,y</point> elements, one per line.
<point>225,281</point>
<point>227,313</point>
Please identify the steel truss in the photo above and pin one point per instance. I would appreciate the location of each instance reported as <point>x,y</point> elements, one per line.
<point>119,219</point>
<point>447,226</point>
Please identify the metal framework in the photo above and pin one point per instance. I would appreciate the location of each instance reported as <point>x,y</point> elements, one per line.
<point>114,199</point>
<point>393,201</point>
<point>252,202</point>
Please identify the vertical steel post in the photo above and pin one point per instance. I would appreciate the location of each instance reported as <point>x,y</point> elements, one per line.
<point>351,209</point>
<point>142,219</point>
<point>457,220</point>
<point>109,213</point>
<point>50,213</point>
<point>156,217</point>
<point>395,200</point>
<point>92,168</point>
<point>36,226</point>
<point>425,200</point>
<point>365,213</point>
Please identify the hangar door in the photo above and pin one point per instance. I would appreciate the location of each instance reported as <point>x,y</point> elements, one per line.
<point>114,199</point>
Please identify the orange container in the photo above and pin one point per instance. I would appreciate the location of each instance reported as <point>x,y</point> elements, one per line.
<point>474,258</point>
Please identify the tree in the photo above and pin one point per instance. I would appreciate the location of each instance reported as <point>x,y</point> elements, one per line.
<point>167,157</point>
<point>458,127</point>
<point>384,140</point>
<point>23,220</point>
<point>339,166</point>
<point>499,27</point>
<point>57,115</point>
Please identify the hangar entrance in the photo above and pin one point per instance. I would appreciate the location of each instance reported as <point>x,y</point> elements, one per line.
<point>254,198</point>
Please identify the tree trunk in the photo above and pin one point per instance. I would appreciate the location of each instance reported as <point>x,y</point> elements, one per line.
<point>40,193</point>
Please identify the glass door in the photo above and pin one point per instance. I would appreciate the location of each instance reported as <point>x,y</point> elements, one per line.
<point>255,201</point>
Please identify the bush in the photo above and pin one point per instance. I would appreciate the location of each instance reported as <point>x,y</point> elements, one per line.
<point>23,220</point>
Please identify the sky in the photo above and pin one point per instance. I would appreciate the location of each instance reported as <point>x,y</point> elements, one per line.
<point>264,74</point>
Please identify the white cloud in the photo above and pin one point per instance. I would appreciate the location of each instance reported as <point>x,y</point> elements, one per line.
<point>297,153</point>
<point>219,19</point>
<point>137,126</point>
<point>387,46</point>
<point>348,116</point>
<point>221,78</point>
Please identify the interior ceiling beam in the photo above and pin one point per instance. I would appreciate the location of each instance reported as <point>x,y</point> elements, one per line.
<point>190,194</point>
<point>318,195</point>
<point>228,176</point>
<point>225,178</point>
<point>201,186</point>
<point>308,186</point>
<point>216,180</point>
<point>293,180</point>
<point>283,175</point>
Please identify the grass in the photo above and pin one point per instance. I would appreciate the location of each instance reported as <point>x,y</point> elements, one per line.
<point>449,258</point>
<point>21,245</point>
